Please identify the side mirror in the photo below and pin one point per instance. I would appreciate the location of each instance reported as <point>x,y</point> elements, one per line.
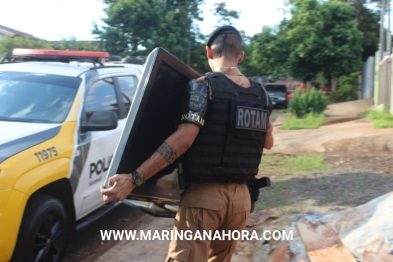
<point>100,121</point>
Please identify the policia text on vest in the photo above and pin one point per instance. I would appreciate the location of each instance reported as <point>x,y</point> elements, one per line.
<point>252,118</point>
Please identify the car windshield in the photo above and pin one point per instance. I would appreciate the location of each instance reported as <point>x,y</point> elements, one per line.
<point>31,97</point>
<point>276,88</point>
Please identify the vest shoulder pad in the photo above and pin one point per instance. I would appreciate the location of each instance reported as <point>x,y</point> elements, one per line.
<point>213,74</point>
<point>201,79</point>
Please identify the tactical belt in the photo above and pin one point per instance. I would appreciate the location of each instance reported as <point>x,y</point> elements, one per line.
<point>220,179</point>
<point>224,181</point>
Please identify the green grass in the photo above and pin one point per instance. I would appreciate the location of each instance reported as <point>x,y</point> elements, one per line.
<point>381,119</point>
<point>292,164</point>
<point>283,196</point>
<point>311,121</point>
<point>363,113</point>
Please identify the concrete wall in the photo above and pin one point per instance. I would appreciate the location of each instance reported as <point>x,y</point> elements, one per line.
<point>376,78</point>
<point>383,83</point>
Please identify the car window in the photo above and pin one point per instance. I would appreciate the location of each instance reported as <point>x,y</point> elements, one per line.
<point>128,88</point>
<point>101,97</point>
<point>30,97</point>
<point>276,88</point>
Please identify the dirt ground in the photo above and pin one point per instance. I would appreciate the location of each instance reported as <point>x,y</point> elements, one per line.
<point>378,162</point>
<point>352,180</point>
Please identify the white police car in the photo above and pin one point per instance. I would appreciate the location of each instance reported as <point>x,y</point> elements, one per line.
<point>60,124</point>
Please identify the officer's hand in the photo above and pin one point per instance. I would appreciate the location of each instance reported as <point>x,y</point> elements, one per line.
<point>120,187</point>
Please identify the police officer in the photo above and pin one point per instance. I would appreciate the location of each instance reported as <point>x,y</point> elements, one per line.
<point>224,127</point>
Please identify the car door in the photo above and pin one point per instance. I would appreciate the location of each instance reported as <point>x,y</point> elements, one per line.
<point>127,87</point>
<point>97,147</point>
<point>154,114</point>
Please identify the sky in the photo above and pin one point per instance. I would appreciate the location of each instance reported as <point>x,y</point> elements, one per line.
<point>61,19</point>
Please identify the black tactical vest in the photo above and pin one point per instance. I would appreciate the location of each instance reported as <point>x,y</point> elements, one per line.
<point>229,147</point>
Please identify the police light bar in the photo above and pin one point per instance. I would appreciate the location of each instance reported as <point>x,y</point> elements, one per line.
<point>65,54</point>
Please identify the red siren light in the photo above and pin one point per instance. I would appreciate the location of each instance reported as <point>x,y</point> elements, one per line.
<point>70,54</point>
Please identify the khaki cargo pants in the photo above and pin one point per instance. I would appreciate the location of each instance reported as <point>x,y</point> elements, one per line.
<point>209,206</point>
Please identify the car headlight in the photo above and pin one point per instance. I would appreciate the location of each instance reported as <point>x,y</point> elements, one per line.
<point>281,98</point>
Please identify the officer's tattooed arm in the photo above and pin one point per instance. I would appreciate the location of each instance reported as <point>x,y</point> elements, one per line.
<point>172,148</point>
<point>167,152</point>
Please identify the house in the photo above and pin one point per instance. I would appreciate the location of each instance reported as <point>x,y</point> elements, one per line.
<point>6,32</point>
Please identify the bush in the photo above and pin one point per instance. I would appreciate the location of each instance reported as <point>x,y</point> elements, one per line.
<point>347,89</point>
<point>311,121</point>
<point>8,44</point>
<point>381,119</point>
<point>312,101</point>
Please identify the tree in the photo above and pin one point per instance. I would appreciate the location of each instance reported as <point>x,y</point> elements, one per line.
<point>270,51</point>
<point>8,44</point>
<point>344,41</point>
<point>112,40</point>
<point>319,37</point>
<point>138,26</point>
<point>73,44</point>
<point>130,24</point>
<point>198,58</point>
<point>225,15</point>
<point>187,10</point>
<point>368,24</point>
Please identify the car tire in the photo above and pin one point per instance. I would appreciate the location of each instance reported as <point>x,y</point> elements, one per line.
<point>43,232</point>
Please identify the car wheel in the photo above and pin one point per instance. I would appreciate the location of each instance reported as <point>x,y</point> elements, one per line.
<point>43,233</point>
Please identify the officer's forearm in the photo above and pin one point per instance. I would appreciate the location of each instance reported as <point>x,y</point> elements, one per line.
<point>173,147</point>
<point>269,141</point>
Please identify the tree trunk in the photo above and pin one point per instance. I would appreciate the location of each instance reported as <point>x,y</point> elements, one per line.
<point>334,83</point>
